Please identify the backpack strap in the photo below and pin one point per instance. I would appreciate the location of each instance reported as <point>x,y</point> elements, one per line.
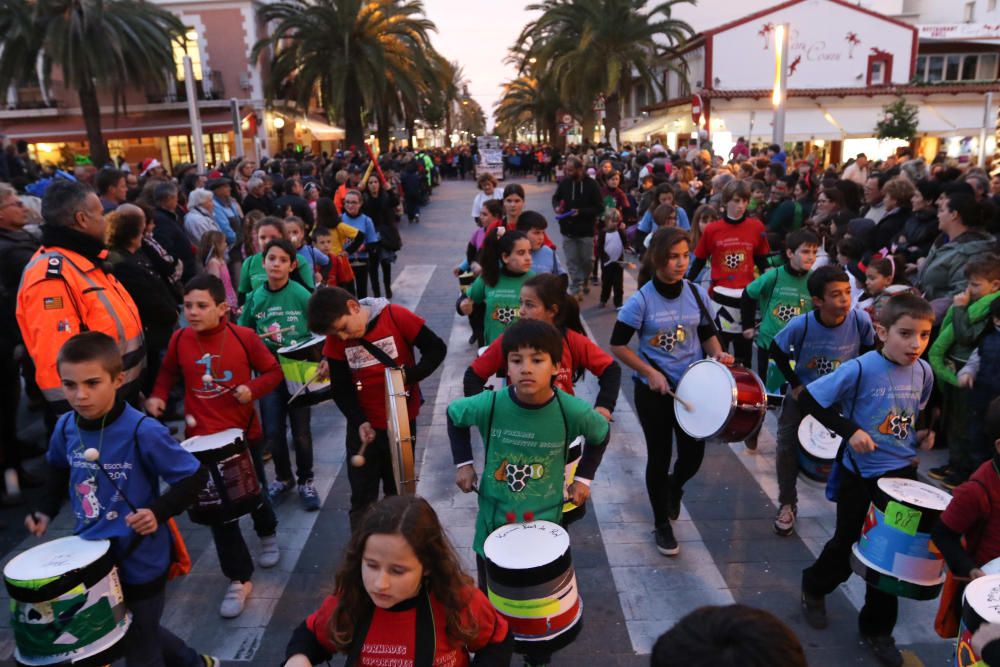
<point>701,304</point>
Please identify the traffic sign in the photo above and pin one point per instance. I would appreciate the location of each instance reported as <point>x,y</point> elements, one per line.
<point>696,105</point>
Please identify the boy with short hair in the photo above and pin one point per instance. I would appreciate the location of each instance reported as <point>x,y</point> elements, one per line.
<point>223,401</point>
<point>361,337</point>
<point>276,311</point>
<point>526,430</point>
<point>967,320</point>
<point>543,257</point>
<point>735,244</point>
<point>880,396</point>
<point>139,452</point>
<point>817,343</point>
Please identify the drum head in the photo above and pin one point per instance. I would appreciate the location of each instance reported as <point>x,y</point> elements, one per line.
<point>817,439</point>
<point>54,559</point>
<point>915,493</point>
<point>710,391</point>
<point>289,350</point>
<point>205,443</point>
<point>522,546</point>
<point>983,595</point>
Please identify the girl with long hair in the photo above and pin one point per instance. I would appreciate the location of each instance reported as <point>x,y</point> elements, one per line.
<point>506,263</point>
<point>212,256</point>
<point>400,593</point>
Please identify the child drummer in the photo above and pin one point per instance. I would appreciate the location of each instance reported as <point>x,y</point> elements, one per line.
<point>675,330</point>
<point>217,361</point>
<point>881,394</point>
<point>358,334</point>
<point>810,346</point>
<point>137,452</point>
<point>526,429</point>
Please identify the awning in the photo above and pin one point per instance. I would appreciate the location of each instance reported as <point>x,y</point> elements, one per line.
<point>124,126</point>
<point>655,124</point>
<point>321,130</point>
<point>953,119</point>
<point>800,124</point>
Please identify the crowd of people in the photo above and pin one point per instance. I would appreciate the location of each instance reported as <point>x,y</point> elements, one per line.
<point>862,294</point>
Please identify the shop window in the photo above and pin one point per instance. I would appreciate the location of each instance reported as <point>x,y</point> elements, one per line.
<point>957,67</point>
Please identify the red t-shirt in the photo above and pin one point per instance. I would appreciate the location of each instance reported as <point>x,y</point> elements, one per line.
<point>390,638</point>
<point>394,332</point>
<point>732,248</point>
<point>235,353</point>
<point>974,511</point>
<point>578,352</point>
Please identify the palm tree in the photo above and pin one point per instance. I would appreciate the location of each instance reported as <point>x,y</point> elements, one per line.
<point>96,44</point>
<point>601,47</point>
<point>340,53</point>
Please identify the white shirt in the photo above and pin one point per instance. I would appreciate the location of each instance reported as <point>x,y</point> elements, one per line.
<point>613,247</point>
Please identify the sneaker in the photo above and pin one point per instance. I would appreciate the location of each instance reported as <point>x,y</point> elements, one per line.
<point>269,553</point>
<point>676,493</point>
<point>941,472</point>
<point>814,611</point>
<point>309,496</point>
<point>211,661</point>
<point>784,522</point>
<point>278,488</point>
<point>236,598</point>
<point>666,544</point>
<point>884,648</point>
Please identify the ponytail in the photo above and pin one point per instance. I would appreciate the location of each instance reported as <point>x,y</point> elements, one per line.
<point>498,242</point>
<point>551,291</point>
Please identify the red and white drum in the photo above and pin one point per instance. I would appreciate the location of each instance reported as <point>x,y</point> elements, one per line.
<point>726,402</point>
<point>232,489</point>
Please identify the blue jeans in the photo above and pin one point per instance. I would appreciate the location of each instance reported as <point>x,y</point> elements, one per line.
<point>276,416</point>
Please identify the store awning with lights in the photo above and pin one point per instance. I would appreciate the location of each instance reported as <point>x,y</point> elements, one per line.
<point>321,130</point>
<point>124,126</point>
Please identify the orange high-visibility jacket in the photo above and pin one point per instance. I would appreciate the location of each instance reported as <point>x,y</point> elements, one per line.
<point>63,293</point>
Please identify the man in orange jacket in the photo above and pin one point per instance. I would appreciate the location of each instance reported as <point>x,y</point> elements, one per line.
<point>65,290</point>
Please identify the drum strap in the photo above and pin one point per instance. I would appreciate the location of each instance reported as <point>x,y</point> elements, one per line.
<point>425,634</point>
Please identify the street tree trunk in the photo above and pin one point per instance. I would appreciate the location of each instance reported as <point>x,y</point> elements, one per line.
<point>354,130</point>
<point>384,127</point>
<point>612,116</point>
<point>447,123</point>
<point>411,132</point>
<point>91,109</point>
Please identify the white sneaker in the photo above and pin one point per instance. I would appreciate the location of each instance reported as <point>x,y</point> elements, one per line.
<point>269,554</point>
<point>236,599</point>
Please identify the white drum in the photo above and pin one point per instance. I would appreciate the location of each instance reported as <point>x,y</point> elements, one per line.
<point>818,448</point>
<point>67,604</point>
<point>728,402</point>
<point>726,308</point>
<point>980,604</point>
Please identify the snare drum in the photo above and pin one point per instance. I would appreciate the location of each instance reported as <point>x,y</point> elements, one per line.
<point>728,402</point>
<point>299,364</point>
<point>464,280</point>
<point>232,489</point>
<point>980,604</point>
<point>895,553</point>
<point>530,580</point>
<point>726,307</point>
<point>67,605</point>
<point>817,449</point>
<point>398,432</point>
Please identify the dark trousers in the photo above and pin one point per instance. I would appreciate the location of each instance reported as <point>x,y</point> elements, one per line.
<point>10,395</point>
<point>377,470</point>
<point>361,272</point>
<point>742,347</point>
<point>373,267</point>
<point>656,415</point>
<point>277,415</point>
<point>477,320</point>
<point>612,280</point>
<point>234,556</point>
<point>411,206</point>
<point>833,567</point>
<point>147,643</point>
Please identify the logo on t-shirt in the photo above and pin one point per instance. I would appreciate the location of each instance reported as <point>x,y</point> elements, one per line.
<point>733,260</point>
<point>505,314</point>
<point>668,340</point>
<point>517,474</point>
<point>822,365</point>
<point>896,425</point>
<point>358,357</point>
<point>783,312</point>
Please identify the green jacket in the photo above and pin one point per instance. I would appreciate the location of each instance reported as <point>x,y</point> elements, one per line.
<point>960,331</point>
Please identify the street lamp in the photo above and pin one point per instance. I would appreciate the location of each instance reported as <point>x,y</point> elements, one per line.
<point>279,122</point>
<point>780,93</point>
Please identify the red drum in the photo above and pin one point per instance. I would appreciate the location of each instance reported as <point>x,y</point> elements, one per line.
<point>233,488</point>
<point>726,402</point>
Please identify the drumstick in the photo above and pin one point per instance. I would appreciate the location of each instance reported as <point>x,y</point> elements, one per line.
<point>92,455</point>
<point>684,404</point>
<point>268,334</point>
<point>358,459</point>
<point>298,392</point>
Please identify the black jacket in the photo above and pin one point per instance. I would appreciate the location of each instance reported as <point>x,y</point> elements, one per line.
<point>153,297</point>
<point>16,248</point>
<point>584,196</point>
<point>886,230</point>
<point>918,234</point>
<point>169,233</point>
<point>298,205</point>
<point>264,204</point>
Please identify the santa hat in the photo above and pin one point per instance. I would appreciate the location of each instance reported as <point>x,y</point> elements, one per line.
<point>148,165</point>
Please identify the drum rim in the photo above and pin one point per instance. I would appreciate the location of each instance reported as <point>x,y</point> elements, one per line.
<point>106,655</point>
<point>106,543</point>
<point>540,526</point>
<point>239,442</point>
<point>906,480</point>
<point>309,342</point>
<point>393,433</point>
<point>805,447</point>
<point>982,583</point>
<point>732,401</point>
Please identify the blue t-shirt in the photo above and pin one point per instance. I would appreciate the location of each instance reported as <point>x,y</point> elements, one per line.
<point>545,260</point>
<point>667,328</point>
<point>884,402</point>
<point>135,459</point>
<point>364,225</point>
<point>647,225</point>
<point>819,349</point>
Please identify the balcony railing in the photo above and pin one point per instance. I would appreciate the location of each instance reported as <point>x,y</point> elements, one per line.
<point>212,89</point>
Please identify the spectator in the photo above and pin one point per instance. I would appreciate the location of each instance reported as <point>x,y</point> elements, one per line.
<point>294,202</point>
<point>200,217</point>
<point>112,188</point>
<point>960,219</point>
<point>169,231</point>
<point>857,171</point>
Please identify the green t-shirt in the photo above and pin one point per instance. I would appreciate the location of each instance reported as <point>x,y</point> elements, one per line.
<point>503,302</point>
<point>526,451</point>
<point>253,275</point>
<point>780,296</point>
<point>267,311</point>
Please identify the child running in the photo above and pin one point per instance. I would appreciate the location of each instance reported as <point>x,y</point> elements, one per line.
<point>543,258</point>
<point>253,274</point>
<point>884,278</point>
<point>506,264</point>
<point>140,452</point>
<point>401,598</point>
<point>880,396</point>
<point>316,259</point>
